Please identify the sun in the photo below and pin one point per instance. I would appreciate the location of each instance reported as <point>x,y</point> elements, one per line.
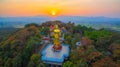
<point>53,11</point>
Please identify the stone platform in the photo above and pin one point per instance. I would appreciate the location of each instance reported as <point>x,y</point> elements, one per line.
<point>55,57</point>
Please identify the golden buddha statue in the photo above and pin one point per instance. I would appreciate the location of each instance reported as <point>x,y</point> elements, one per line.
<point>57,45</point>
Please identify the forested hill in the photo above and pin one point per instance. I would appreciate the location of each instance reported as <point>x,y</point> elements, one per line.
<point>20,49</point>
<point>99,48</point>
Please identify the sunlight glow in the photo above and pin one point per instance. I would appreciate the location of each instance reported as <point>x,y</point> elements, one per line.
<point>53,11</point>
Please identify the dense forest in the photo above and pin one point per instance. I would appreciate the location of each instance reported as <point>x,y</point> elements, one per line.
<point>100,48</point>
<point>6,32</point>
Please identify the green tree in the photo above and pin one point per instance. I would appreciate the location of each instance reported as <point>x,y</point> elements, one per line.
<point>17,61</point>
<point>31,64</point>
<point>40,65</point>
<point>35,61</point>
<point>35,58</point>
<point>1,62</point>
<point>68,64</point>
<point>8,63</point>
<point>81,63</point>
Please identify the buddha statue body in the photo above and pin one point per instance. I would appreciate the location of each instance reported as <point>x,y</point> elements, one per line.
<point>57,45</point>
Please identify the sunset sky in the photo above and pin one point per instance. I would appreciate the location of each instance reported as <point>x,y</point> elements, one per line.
<point>107,8</point>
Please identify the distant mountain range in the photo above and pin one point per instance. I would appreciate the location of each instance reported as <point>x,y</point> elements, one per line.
<point>95,22</point>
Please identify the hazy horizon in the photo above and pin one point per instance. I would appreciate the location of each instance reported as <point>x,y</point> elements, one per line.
<point>59,16</point>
